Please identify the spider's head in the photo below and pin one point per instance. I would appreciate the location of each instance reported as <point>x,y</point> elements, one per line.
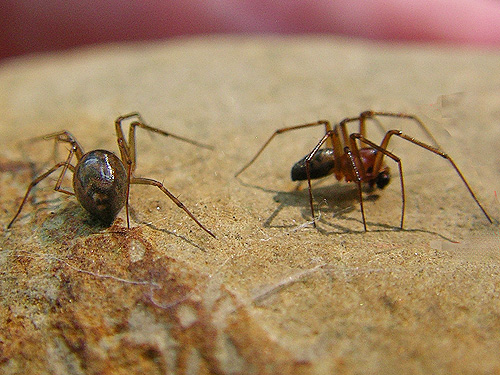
<point>321,165</point>
<point>383,178</point>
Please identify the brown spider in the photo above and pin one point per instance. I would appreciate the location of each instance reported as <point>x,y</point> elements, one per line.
<point>346,160</point>
<point>101,180</point>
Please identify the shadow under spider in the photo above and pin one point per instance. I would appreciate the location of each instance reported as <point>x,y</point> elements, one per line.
<point>64,222</point>
<point>70,221</point>
<point>383,229</point>
<point>337,200</point>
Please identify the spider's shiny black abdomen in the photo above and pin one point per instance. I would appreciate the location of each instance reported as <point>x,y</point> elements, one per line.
<point>322,164</point>
<point>100,184</point>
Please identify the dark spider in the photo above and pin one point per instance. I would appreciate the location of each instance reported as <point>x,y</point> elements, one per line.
<point>101,180</point>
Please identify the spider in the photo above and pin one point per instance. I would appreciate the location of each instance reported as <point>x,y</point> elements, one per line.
<point>346,160</point>
<point>101,180</point>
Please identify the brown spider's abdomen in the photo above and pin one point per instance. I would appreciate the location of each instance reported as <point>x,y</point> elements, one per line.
<point>100,184</point>
<point>322,164</point>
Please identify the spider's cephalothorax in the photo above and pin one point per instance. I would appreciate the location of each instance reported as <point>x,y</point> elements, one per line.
<point>354,158</point>
<point>101,180</point>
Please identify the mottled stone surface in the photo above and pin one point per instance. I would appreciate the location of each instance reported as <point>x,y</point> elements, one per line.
<point>272,294</point>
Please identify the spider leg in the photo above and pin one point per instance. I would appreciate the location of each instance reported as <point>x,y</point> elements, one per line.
<point>332,139</point>
<point>343,128</point>
<point>64,136</point>
<point>65,164</point>
<point>139,122</point>
<point>129,177</point>
<point>373,114</point>
<point>357,173</point>
<point>362,125</point>
<point>159,185</point>
<point>124,152</point>
<point>128,156</point>
<point>308,166</point>
<point>433,149</point>
<point>383,151</point>
<point>120,137</point>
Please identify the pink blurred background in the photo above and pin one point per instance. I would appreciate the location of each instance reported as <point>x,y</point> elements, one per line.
<point>33,26</point>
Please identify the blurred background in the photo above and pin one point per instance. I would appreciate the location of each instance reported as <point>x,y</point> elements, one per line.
<point>30,26</point>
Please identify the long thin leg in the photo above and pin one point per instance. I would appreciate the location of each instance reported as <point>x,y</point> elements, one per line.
<point>357,173</point>
<point>129,178</point>
<point>131,138</point>
<point>333,139</point>
<point>140,123</point>
<point>435,150</point>
<point>308,169</point>
<point>382,150</point>
<point>159,185</point>
<point>363,126</point>
<point>372,114</point>
<point>343,128</point>
<point>67,165</point>
<point>64,136</point>
<point>64,164</point>
<point>124,151</point>
<point>128,156</point>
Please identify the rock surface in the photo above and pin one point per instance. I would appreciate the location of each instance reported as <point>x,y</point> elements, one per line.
<point>272,294</point>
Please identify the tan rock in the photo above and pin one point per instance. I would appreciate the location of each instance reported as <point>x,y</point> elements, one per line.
<point>270,295</point>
